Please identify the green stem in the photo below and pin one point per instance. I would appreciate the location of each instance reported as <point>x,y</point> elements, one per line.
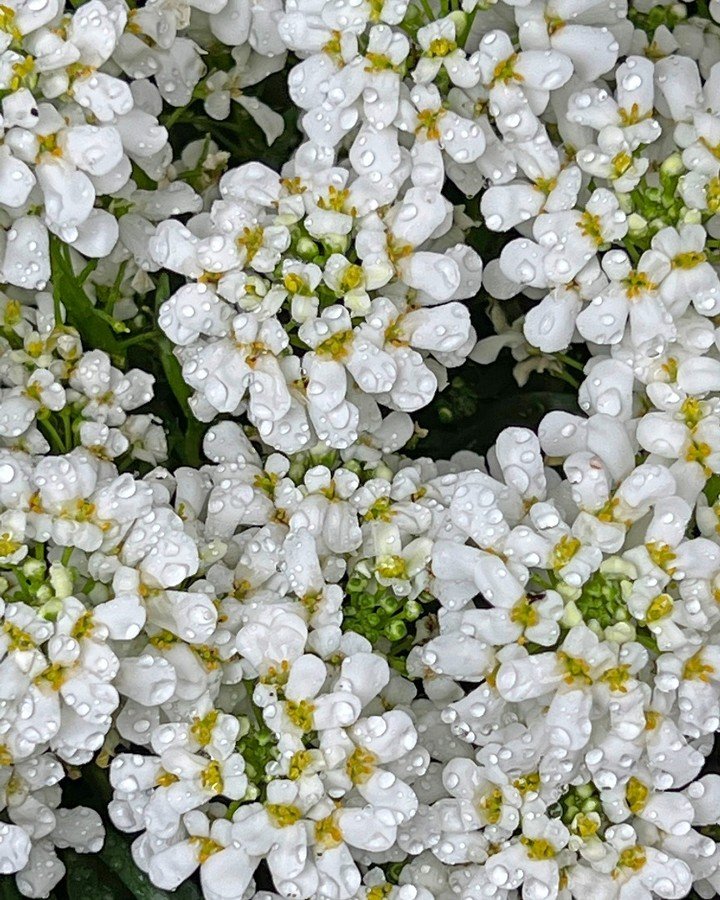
<point>51,434</point>
<point>569,361</point>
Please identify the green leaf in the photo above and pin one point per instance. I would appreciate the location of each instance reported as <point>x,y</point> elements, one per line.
<point>523,409</point>
<point>88,877</point>
<point>8,888</point>
<point>712,489</point>
<point>194,430</point>
<point>95,332</point>
<point>116,856</point>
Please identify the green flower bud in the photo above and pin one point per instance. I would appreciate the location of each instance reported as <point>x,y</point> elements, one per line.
<point>396,630</point>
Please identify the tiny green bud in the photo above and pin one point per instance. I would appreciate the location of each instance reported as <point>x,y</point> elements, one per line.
<point>412,610</point>
<point>306,248</point>
<point>692,217</point>
<point>571,615</point>
<point>44,593</point>
<point>51,610</point>
<point>620,633</point>
<point>337,243</point>
<point>672,166</point>
<point>33,568</point>
<point>636,223</point>
<point>396,630</point>
<point>61,580</point>
<point>383,471</point>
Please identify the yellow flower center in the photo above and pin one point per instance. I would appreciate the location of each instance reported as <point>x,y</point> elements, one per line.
<point>564,551</point>
<point>428,120</point>
<point>337,346</point>
<point>505,71</point>
<point>689,260</point>
<point>7,545</point>
<point>591,226</point>
<point>391,567</point>
<point>617,678</point>
<point>299,763</point>
<point>202,728</point>
<point>251,240</point>
<point>527,783</point>
<point>300,713</point>
<point>524,613</point>
<point>441,47</point>
<point>632,858</point>
<point>491,805</point>
<point>211,777</point>
<point>637,795</point>
<point>283,815</point>
<point>576,668</point>
<point>205,847</point>
<point>360,765</point>
<point>328,833</point>
<point>539,848</point>
<point>662,555</point>
<point>697,670</point>
<point>661,606</point>
<point>638,283</point>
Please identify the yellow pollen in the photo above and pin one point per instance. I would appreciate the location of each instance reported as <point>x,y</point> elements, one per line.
<point>591,226</point>
<point>328,833</point>
<point>638,283</point>
<point>299,763</point>
<point>391,567</point>
<point>491,806</point>
<point>697,670</point>
<point>211,778</point>
<point>442,47</point>
<point>539,849</point>
<point>283,815</point>
<point>337,346</point>
<point>564,551</point>
<point>205,847</point>
<point>577,669</point>
<point>632,858</point>
<point>660,607</point>
<point>202,728</point>
<point>251,240</point>
<point>505,71</point>
<point>524,613</point>
<point>300,713</point>
<point>165,779</point>
<point>527,783</point>
<point>689,260</point>
<point>428,121</point>
<point>661,555</point>
<point>637,795</point>
<point>7,545</point>
<point>360,765</point>
<point>616,678</point>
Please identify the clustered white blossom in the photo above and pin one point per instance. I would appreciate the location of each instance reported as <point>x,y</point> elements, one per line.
<point>76,538</point>
<point>309,666</point>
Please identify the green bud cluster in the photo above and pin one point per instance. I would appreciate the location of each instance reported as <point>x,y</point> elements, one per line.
<point>650,21</point>
<point>602,600</point>
<point>258,745</point>
<point>377,612</point>
<point>655,203</point>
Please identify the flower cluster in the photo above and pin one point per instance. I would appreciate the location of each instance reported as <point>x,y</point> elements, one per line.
<point>316,297</point>
<point>54,395</point>
<point>76,538</point>
<point>247,630</point>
